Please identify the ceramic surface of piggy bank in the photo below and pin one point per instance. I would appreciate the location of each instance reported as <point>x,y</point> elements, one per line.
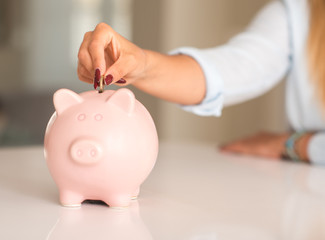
<point>99,146</point>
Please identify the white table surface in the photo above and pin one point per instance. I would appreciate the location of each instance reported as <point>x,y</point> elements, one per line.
<point>194,192</point>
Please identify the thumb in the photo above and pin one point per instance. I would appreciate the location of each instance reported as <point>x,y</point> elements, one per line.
<point>119,69</point>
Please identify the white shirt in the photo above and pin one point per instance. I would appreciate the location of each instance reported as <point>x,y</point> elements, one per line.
<point>254,61</point>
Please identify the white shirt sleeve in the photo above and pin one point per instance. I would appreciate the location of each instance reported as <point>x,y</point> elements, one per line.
<point>247,66</point>
<point>316,148</point>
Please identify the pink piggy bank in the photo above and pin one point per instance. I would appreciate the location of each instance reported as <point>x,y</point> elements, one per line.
<point>99,146</point>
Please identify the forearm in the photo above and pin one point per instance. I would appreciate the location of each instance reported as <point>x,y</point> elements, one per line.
<point>175,78</point>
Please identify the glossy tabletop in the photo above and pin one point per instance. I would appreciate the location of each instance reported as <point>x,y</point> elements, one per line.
<point>194,192</point>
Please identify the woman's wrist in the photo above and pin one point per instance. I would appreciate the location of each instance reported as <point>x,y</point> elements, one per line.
<point>146,66</point>
<point>149,70</point>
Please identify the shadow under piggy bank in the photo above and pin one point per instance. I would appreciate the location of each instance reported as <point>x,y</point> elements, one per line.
<point>94,221</point>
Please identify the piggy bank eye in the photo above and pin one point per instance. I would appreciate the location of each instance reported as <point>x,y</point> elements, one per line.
<point>98,117</point>
<point>81,117</point>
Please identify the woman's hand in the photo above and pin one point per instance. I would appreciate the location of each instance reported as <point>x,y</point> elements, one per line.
<point>263,145</point>
<point>105,52</point>
<point>176,78</point>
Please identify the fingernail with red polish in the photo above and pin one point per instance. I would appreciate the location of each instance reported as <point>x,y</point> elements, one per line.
<point>96,78</point>
<point>95,84</point>
<point>97,74</point>
<point>121,81</point>
<point>108,79</point>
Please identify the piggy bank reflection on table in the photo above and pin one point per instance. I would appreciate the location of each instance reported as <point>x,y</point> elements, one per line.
<point>99,146</point>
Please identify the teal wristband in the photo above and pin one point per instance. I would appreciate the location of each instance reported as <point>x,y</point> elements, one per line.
<point>290,146</point>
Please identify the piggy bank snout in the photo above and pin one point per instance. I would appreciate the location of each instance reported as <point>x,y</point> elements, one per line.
<point>86,151</point>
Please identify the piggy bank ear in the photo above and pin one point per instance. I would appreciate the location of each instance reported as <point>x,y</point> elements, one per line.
<point>64,99</point>
<point>123,99</point>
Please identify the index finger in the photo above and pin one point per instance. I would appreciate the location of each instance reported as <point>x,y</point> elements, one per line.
<point>101,38</point>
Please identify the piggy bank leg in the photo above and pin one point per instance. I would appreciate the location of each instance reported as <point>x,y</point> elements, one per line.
<point>118,200</point>
<point>70,199</point>
<point>135,194</point>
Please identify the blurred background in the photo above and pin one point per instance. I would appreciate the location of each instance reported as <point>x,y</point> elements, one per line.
<point>39,42</point>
